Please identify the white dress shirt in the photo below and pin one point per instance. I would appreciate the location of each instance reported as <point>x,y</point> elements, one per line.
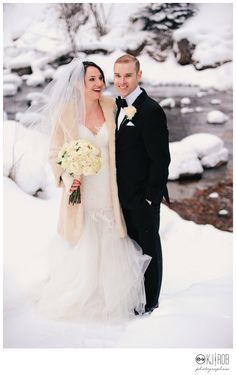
<point>129,99</point>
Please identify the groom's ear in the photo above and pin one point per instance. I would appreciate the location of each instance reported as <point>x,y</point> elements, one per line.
<point>139,74</point>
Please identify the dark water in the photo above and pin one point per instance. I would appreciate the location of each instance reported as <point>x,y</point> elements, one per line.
<point>180,126</point>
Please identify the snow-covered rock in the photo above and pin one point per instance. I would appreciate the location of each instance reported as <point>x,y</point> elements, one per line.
<point>36,97</point>
<point>195,152</point>
<point>185,101</point>
<point>48,73</point>
<point>12,78</point>
<point>223,212</point>
<point>215,159</point>
<point>184,162</point>
<point>216,117</point>
<point>9,89</point>
<point>213,195</point>
<point>203,143</point>
<point>167,103</point>
<point>185,110</point>
<point>35,79</point>
<point>201,94</point>
<point>198,109</point>
<point>215,101</point>
<point>28,118</point>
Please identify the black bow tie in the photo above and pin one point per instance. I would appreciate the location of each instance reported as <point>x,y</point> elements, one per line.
<point>121,103</point>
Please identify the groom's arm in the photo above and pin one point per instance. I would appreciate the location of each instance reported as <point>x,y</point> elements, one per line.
<point>156,140</point>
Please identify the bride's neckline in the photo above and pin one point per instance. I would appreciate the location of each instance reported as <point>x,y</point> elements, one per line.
<point>98,129</point>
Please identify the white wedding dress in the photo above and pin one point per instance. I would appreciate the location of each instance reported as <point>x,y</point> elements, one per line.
<point>102,277</point>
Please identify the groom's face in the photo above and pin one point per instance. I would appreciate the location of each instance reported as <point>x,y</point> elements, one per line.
<point>126,78</point>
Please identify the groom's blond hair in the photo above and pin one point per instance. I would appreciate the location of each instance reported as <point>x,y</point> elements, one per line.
<point>125,59</point>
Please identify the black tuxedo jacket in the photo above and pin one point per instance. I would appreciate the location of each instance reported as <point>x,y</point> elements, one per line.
<point>142,155</point>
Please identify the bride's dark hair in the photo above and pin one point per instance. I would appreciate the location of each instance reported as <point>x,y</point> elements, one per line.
<point>86,64</point>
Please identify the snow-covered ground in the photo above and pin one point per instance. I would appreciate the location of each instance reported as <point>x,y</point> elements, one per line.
<point>196,299</point>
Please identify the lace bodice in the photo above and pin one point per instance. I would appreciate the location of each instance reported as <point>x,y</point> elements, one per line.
<point>95,190</point>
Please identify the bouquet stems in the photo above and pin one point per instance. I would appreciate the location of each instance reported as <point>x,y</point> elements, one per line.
<point>75,197</point>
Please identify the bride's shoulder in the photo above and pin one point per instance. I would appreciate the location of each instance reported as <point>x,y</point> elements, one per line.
<point>108,101</point>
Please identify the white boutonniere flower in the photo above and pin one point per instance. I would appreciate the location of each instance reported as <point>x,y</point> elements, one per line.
<point>129,113</point>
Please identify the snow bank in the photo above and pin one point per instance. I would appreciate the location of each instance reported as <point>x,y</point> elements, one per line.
<point>25,158</point>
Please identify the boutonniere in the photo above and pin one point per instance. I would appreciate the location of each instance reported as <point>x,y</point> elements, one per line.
<point>129,113</point>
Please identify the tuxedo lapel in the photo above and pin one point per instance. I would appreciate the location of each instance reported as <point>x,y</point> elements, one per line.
<point>139,100</point>
<point>137,104</point>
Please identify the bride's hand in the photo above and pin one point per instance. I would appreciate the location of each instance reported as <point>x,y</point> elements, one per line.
<point>76,183</point>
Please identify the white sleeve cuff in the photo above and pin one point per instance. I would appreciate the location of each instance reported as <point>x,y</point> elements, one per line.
<point>68,180</point>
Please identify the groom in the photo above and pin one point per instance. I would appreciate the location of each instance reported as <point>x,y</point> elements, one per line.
<point>142,160</point>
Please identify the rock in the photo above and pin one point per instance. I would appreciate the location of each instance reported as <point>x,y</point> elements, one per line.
<point>167,103</point>
<point>223,213</point>
<point>215,101</point>
<point>213,195</point>
<point>215,159</point>
<point>198,109</point>
<point>185,101</point>
<point>183,51</point>
<point>35,79</point>
<point>216,117</point>
<point>185,110</point>
<point>12,78</point>
<point>184,162</point>
<point>22,71</point>
<point>200,94</point>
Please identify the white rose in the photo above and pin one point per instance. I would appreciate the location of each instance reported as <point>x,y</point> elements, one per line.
<point>130,111</point>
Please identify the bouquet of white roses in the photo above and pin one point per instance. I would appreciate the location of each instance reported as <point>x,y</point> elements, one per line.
<point>77,158</point>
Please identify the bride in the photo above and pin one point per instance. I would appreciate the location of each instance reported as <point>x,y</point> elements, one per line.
<point>96,270</point>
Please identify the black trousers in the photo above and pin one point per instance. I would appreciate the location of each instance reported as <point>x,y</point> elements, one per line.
<point>143,226</point>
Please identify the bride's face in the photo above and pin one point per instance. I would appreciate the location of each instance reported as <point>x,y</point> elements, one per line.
<point>93,83</point>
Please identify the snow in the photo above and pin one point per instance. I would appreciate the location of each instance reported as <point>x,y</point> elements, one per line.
<point>12,78</point>
<point>35,79</point>
<point>9,89</point>
<point>215,159</point>
<point>36,97</point>
<point>184,161</point>
<point>25,158</point>
<point>213,39</point>
<point>43,40</point>
<point>213,195</point>
<point>195,307</point>
<point>216,117</point>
